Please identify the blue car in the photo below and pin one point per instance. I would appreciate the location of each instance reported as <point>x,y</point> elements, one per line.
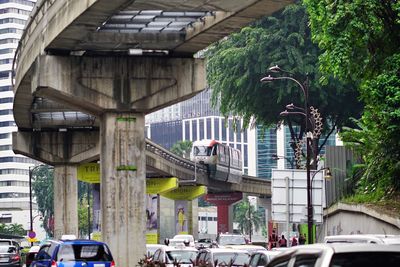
<point>74,253</point>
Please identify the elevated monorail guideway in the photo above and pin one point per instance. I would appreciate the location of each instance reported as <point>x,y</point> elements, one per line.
<point>95,68</point>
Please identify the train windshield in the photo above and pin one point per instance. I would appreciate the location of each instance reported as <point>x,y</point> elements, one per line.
<point>202,151</point>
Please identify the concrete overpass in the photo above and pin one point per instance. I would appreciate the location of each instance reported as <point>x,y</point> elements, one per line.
<point>86,74</point>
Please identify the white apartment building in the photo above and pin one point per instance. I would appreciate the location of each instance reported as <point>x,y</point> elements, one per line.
<point>14,169</point>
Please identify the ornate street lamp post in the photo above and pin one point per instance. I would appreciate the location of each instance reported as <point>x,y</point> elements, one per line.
<point>304,90</point>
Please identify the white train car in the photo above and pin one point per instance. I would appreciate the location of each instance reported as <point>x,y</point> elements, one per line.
<point>223,162</point>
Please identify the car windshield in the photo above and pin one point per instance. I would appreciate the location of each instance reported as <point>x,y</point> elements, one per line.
<point>81,252</point>
<point>7,249</point>
<point>365,259</point>
<point>231,258</point>
<point>202,151</point>
<point>181,256</point>
<point>232,240</point>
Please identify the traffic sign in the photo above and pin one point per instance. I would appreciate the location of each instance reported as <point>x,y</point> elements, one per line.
<point>31,234</point>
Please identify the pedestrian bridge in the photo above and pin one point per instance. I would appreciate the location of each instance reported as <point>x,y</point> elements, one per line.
<point>86,74</point>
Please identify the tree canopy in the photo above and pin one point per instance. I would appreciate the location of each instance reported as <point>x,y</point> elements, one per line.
<point>12,229</point>
<point>43,190</point>
<point>236,64</point>
<point>182,148</point>
<point>360,40</point>
<point>248,218</point>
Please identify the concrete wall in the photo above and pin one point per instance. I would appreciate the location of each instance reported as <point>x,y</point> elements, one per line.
<point>343,219</point>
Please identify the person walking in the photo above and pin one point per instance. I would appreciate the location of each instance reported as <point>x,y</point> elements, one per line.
<point>282,242</point>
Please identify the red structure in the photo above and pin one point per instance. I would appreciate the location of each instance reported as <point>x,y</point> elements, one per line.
<point>223,201</point>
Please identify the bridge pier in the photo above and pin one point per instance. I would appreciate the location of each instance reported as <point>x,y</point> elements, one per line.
<point>119,91</point>
<point>65,200</point>
<point>123,185</point>
<point>224,202</point>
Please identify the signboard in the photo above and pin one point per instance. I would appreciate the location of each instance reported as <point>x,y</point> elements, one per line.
<point>152,219</point>
<point>181,217</point>
<point>89,173</point>
<point>186,192</point>
<point>289,193</point>
<point>221,199</point>
<point>161,185</point>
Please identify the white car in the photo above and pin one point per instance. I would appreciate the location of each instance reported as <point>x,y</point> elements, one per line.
<point>182,238</point>
<point>151,248</point>
<point>172,256</point>
<point>339,255</point>
<point>262,257</point>
<point>367,238</point>
<point>213,257</point>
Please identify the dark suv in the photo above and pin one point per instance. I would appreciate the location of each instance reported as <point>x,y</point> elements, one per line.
<point>76,253</point>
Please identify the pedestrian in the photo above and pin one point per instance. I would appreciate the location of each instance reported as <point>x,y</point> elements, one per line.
<point>294,241</point>
<point>282,242</point>
<point>302,239</point>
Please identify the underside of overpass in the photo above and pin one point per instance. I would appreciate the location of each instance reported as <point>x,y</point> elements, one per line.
<point>87,72</point>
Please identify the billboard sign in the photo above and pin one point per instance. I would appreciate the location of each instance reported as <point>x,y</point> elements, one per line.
<point>289,194</point>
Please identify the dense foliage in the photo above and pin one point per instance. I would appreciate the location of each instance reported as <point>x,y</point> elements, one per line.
<point>236,65</point>
<point>13,229</point>
<point>361,41</point>
<point>43,190</point>
<point>42,187</point>
<point>249,219</point>
<point>182,148</point>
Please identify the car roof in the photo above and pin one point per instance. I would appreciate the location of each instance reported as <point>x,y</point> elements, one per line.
<point>76,242</point>
<point>267,252</point>
<point>224,250</point>
<point>34,249</point>
<point>341,248</point>
<point>179,248</point>
<point>377,238</point>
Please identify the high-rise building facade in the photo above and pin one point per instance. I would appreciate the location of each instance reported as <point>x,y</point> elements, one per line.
<point>14,169</point>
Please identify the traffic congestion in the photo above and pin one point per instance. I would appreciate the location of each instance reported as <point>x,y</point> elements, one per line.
<point>226,250</point>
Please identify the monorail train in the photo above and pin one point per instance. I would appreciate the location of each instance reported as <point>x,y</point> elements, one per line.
<point>223,162</point>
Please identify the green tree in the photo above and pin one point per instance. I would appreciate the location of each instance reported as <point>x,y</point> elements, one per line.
<point>83,215</point>
<point>248,218</point>
<point>12,229</point>
<point>236,65</point>
<point>42,187</point>
<point>360,40</point>
<point>182,148</point>
<point>43,190</point>
<point>16,229</point>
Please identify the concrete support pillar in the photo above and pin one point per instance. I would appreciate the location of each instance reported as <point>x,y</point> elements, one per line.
<point>224,202</point>
<point>65,200</point>
<point>123,187</point>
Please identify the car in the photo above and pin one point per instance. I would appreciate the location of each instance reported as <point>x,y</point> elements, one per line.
<point>205,243</point>
<point>30,255</point>
<point>76,253</point>
<point>151,248</point>
<point>262,257</point>
<point>231,239</point>
<point>169,256</point>
<point>213,257</point>
<point>339,255</point>
<point>366,238</point>
<point>189,238</point>
<point>248,248</point>
<point>9,256</point>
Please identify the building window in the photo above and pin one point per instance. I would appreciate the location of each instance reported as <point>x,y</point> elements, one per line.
<point>201,129</point>
<point>194,129</point>
<point>5,219</point>
<point>223,137</point>
<point>216,128</point>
